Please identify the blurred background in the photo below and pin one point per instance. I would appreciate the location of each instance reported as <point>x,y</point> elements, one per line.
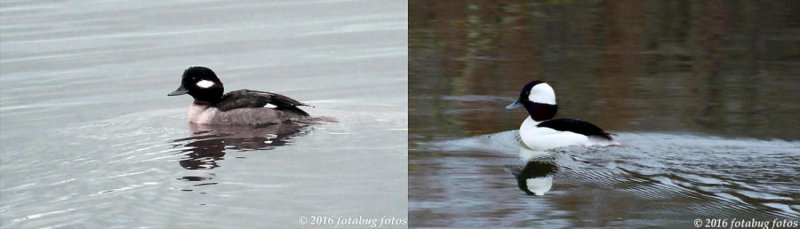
<point>658,73</point>
<point>727,68</point>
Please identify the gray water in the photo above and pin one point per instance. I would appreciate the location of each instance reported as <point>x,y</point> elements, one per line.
<point>653,179</point>
<point>89,139</point>
<point>701,94</point>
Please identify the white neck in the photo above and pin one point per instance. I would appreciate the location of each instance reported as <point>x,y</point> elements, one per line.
<point>542,93</point>
<point>530,122</point>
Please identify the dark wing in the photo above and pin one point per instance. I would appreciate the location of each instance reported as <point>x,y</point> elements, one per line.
<point>254,99</point>
<point>576,126</point>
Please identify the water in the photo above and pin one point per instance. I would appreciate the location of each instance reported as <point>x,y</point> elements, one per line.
<point>702,95</point>
<point>90,139</point>
<point>655,179</point>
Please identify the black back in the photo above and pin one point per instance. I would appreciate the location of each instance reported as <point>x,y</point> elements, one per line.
<point>577,126</point>
<point>254,99</point>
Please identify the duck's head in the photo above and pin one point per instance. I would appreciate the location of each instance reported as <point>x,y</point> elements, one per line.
<point>201,83</point>
<point>539,99</point>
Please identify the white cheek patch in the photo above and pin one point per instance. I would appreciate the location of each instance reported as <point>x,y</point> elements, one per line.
<point>270,105</point>
<point>542,93</point>
<point>205,83</point>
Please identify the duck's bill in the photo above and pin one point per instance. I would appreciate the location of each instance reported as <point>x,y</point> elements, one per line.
<point>180,91</point>
<point>515,104</point>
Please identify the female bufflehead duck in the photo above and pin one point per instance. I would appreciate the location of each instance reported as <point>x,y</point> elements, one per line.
<point>242,107</point>
<point>540,132</point>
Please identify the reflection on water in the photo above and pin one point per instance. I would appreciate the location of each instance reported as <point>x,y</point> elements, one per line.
<point>536,175</point>
<point>208,143</point>
<point>694,70</point>
<point>88,139</point>
<point>653,179</point>
<point>536,178</point>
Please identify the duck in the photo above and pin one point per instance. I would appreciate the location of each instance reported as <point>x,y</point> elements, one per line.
<point>239,108</point>
<point>539,131</point>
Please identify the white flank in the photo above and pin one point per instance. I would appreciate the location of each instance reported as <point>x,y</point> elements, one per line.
<point>205,83</point>
<point>542,93</point>
<point>270,105</point>
<point>542,138</point>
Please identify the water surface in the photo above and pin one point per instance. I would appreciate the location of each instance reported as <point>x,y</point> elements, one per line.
<point>90,139</point>
<point>701,94</point>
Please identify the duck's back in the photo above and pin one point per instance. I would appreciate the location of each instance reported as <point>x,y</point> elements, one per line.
<point>576,126</point>
<point>257,99</point>
<point>247,107</point>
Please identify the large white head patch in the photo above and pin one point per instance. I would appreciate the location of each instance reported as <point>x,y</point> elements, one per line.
<point>542,93</point>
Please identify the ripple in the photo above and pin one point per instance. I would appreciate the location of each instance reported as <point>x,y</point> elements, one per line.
<point>664,173</point>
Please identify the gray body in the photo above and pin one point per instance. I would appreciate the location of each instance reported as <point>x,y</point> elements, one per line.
<point>204,113</point>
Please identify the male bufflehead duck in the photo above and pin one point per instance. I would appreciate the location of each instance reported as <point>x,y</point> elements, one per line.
<point>540,131</point>
<point>242,107</point>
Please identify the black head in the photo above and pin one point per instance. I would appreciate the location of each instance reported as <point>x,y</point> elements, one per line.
<point>201,83</point>
<point>539,99</point>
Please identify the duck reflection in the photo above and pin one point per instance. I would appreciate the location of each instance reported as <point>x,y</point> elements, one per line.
<point>208,143</point>
<point>535,177</point>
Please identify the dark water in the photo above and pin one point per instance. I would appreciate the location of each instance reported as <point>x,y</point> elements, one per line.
<point>89,138</point>
<point>702,94</point>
